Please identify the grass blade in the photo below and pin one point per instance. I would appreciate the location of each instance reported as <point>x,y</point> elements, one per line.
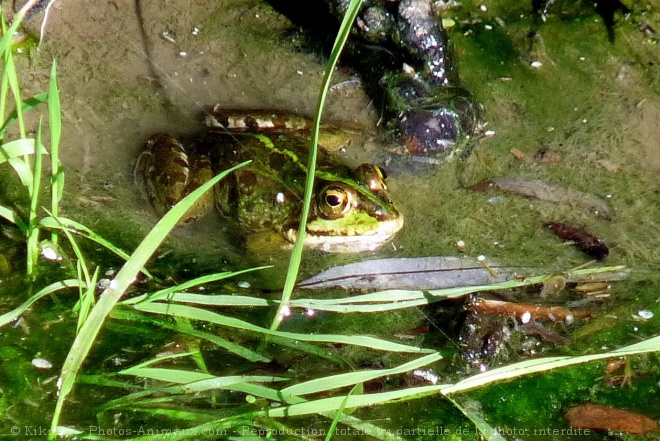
<point>333,404</point>
<point>351,378</point>
<point>33,227</point>
<point>205,299</point>
<point>15,149</point>
<point>12,217</point>
<point>55,123</point>
<point>8,317</point>
<point>62,223</point>
<point>296,255</point>
<point>545,364</point>
<point>118,286</point>
<point>20,166</point>
<point>12,77</point>
<point>26,105</point>
<point>487,431</point>
<point>167,293</point>
<point>212,317</point>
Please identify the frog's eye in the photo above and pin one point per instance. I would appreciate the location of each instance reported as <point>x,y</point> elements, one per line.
<point>372,176</point>
<point>335,201</point>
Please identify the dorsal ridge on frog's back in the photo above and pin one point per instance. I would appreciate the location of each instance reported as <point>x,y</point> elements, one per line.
<point>217,119</point>
<point>232,120</point>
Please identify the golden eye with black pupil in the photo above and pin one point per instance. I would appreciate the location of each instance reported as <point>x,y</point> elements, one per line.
<point>335,202</point>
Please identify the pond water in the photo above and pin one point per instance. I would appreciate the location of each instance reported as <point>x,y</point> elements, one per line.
<point>586,118</point>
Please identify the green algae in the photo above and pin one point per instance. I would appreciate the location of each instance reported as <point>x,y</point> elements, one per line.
<point>601,147</point>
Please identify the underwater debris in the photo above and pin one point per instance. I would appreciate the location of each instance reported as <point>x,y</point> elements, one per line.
<point>546,191</point>
<point>593,416</point>
<point>411,273</point>
<point>582,239</point>
<point>552,313</point>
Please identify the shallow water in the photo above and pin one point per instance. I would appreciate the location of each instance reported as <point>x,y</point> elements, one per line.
<point>595,105</point>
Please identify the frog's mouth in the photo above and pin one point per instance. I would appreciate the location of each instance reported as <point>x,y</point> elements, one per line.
<point>350,243</point>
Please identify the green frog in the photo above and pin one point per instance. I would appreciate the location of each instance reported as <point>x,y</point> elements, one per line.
<point>351,209</point>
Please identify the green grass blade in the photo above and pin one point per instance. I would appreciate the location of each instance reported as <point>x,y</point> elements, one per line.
<point>311,349</point>
<point>117,288</point>
<point>33,227</point>
<point>26,105</point>
<point>12,76</point>
<point>339,415</point>
<point>79,255</point>
<point>16,149</point>
<point>177,376</point>
<point>12,217</point>
<point>4,80</point>
<point>334,404</point>
<point>232,347</point>
<point>166,293</point>
<point>87,298</point>
<point>212,317</point>
<point>20,166</point>
<point>55,124</point>
<point>185,329</point>
<point>10,316</point>
<point>193,382</point>
<point>487,431</point>
<point>62,223</point>
<point>296,255</point>
<point>205,299</point>
<point>325,384</point>
<point>545,364</point>
<point>8,34</point>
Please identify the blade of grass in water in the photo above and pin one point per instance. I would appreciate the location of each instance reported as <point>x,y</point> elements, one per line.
<point>165,294</point>
<point>296,255</point>
<point>181,327</point>
<point>340,413</point>
<point>545,364</point>
<point>109,298</point>
<point>55,123</point>
<point>26,105</point>
<point>12,78</point>
<point>10,316</point>
<point>15,149</point>
<point>488,432</point>
<point>12,217</point>
<point>219,319</point>
<point>325,384</point>
<point>62,223</point>
<point>20,166</point>
<point>8,35</point>
<point>86,295</point>
<point>33,227</point>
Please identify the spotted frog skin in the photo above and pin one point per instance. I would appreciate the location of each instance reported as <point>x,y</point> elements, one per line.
<point>351,209</point>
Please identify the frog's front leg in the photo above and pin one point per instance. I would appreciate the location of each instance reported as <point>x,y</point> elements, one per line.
<point>166,172</point>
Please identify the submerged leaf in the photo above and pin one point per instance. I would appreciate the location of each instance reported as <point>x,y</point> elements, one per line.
<point>546,191</point>
<point>593,416</point>
<point>582,239</point>
<point>411,273</point>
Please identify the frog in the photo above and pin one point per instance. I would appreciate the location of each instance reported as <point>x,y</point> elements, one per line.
<point>351,209</point>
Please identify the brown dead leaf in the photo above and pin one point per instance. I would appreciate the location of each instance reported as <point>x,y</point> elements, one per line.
<point>593,416</point>
<point>520,156</point>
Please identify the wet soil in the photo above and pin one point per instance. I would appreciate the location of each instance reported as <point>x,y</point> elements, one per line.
<point>129,69</point>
